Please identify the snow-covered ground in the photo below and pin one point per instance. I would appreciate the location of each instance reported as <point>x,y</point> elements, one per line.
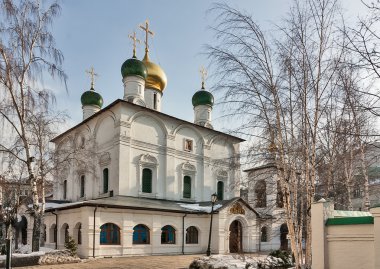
<point>26,251</point>
<point>46,255</point>
<point>236,262</point>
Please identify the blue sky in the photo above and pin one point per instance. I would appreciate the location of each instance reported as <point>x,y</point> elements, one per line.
<point>95,33</point>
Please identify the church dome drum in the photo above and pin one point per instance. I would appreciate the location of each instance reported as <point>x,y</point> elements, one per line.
<point>134,67</point>
<point>203,97</point>
<point>91,98</point>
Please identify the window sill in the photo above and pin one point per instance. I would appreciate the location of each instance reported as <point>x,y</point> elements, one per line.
<point>187,199</point>
<point>147,195</point>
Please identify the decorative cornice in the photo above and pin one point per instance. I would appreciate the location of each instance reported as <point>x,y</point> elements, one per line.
<point>105,158</point>
<point>147,159</point>
<point>222,173</point>
<point>188,167</point>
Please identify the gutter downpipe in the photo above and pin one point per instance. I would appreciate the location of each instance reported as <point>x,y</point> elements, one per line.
<point>93,237</point>
<point>56,228</point>
<point>183,234</point>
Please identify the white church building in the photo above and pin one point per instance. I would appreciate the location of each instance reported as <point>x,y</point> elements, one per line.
<point>140,181</point>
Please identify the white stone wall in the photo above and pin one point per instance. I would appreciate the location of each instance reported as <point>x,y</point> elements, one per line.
<point>116,139</point>
<point>126,219</point>
<point>348,246</point>
<point>273,225</point>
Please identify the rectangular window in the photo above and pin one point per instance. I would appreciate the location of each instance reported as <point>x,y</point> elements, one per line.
<point>186,187</point>
<point>65,189</point>
<point>188,145</point>
<point>147,180</point>
<point>155,101</point>
<point>82,186</point>
<point>105,180</point>
<point>220,190</point>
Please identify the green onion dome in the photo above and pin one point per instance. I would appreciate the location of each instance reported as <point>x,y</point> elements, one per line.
<point>91,98</point>
<point>134,67</point>
<point>203,97</point>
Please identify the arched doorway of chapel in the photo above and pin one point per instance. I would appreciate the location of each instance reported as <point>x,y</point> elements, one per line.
<point>236,237</point>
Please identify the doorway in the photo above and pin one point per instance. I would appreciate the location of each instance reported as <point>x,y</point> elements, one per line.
<point>284,237</point>
<point>236,237</point>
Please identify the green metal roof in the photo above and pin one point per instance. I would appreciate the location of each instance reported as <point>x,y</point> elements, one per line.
<point>91,97</point>
<point>203,97</point>
<point>349,221</point>
<point>134,67</point>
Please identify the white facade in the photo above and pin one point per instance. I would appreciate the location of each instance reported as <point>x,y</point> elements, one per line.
<point>125,139</point>
<point>264,196</point>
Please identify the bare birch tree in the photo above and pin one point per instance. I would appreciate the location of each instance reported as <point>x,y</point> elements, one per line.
<point>282,88</point>
<point>27,54</point>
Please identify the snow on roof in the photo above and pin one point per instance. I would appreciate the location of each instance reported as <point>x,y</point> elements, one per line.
<point>343,214</point>
<point>56,205</point>
<point>197,207</point>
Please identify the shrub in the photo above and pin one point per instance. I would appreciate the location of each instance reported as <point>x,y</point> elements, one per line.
<point>285,256</point>
<point>71,246</point>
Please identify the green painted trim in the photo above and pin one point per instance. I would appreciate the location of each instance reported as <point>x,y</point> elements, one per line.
<point>350,221</point>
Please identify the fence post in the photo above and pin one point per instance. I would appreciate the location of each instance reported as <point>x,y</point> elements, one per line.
<point>8,248</point>
<point>376,234</point>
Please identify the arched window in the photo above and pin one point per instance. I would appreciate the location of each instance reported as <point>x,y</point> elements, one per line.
<point>186,187</point>
<point>53,233</point>
<point>264,234</point>
<point>105,180</point>
<point>220,190</point>
<point>44,233</point>
<point>261,193</point>
<point>192,235</point>
<point>65,189</point>
<point>24,230</point>
<point>280,196</point>
<point>82,183</point>
<point>146,180</point>
<point>67,234</point>
<point>140,234</point>
<point>167,235</point>
<point>79,239</point>
<point>109,234</point>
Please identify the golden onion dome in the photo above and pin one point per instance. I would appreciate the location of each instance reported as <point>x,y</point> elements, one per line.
<point>156,78</point>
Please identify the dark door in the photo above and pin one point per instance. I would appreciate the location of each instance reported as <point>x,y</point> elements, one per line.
<point>284,236</point>
<point>236,237</point>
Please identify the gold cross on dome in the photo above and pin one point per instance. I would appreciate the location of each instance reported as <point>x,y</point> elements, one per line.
<point>147,32</point>
<point>92,75</point>
<point>203,72</point>
<point>135,40</point>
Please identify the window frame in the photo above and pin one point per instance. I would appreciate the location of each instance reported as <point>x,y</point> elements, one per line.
<point>108,229</point>
<point>138,232</point>
<point>192,235</point>
<point>105,180</point>
<point>264,234</point>
<point>220,195</point>
<point>189,187</point>
<point>65,189</point>
<point>188,145</point>
<point>146,169</point>
<point>166,232</point>
<point>82,186</point>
